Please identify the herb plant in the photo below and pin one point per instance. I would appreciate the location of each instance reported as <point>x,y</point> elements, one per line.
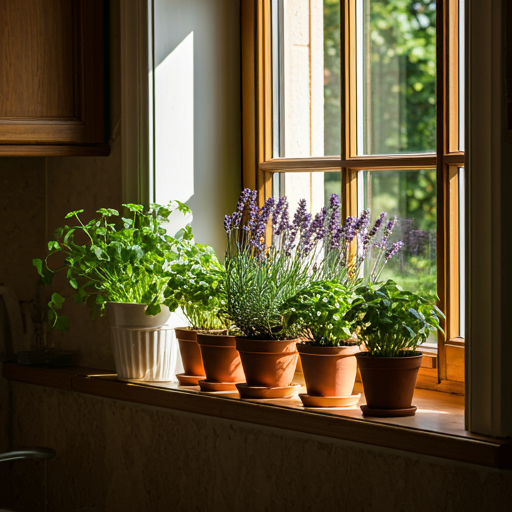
<point>123,259</point>
<point>197,285</point>
<point>319,312</point>
<point>392,322</point>
<point>261,277</point>
<point>270,259</point>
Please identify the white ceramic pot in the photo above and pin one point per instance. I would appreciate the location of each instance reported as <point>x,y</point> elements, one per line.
<point>145,354</point>
<point>134,315</point>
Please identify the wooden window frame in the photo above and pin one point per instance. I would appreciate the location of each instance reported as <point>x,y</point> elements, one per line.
<point>443,368</point>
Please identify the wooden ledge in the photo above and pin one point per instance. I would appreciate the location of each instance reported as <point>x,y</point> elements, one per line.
<point>437,429</point>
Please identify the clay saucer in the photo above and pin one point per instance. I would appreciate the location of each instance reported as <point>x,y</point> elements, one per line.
<point>388,413</point>
<point>189,380</point>
<point>217,386</point>
<point>329,401</point>
<point>262,392</point>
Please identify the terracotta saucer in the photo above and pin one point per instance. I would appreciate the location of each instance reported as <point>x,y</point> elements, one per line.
<point>329,401</point>
<point>217,386</point>
<point>189,380</point>
<point>226,394</point>
<point>261,392</point>
<point>388,413</point>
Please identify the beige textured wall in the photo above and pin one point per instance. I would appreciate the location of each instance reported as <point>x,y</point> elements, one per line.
<point>35,194</point>
<point>114,456</point>
<point>90,183</point>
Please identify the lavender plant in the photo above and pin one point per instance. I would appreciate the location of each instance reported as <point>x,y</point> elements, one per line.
<point>270,260</point>
<point>261,276</point>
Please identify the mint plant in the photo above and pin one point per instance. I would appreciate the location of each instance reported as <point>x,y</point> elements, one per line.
<point>319,312</point>
<point>196,284</point>
<point>124,259</point>
<point>392,322</point>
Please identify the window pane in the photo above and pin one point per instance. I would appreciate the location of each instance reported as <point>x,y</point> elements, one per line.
<point>411,196</point>
<point>315,187</point>
<point>306,78</point>
<point>396,76</point>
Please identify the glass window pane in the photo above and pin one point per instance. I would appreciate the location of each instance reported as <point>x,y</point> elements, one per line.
<point>411,197</point>
<point>315,187</point>
<point>396,76</point>
<point>306,78</point>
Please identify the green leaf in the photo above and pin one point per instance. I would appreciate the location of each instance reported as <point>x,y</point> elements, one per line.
<point>153,309</point>
<point>62,323</point>
<point>53,245</point>
<point>134,207</point>
<point>56,301</point>
<point>73,214</point>
<point>107,212</point>
<point>97,251</point>
<point>39,266</point>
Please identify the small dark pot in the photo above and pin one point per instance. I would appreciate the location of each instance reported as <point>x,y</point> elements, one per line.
<point>388,381</point>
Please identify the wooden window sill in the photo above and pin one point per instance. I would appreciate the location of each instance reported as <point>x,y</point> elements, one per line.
<point>437,429</point>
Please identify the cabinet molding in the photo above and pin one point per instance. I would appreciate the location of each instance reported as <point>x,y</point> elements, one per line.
<point>52,77</point>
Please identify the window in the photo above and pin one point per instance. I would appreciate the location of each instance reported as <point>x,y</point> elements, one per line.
<point>364,98</point>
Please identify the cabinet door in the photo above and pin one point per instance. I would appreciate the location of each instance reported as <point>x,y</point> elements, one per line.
<point>52,77</point>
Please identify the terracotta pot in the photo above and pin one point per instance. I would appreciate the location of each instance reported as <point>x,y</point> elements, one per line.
<point>388,381</point>
<point>268,363</point>
<point>190,352</point>
<point>220,358</point>
<point>329,371</point>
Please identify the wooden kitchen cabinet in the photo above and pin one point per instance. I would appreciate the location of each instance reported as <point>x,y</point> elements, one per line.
<point>52,78</point>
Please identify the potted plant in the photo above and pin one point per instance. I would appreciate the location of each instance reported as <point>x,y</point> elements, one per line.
<point>208,351</point>
<point>328,347</point>
<point>122,264</point>
<point>328,350</point>
<point>391,322</point>
<point>263,270</point>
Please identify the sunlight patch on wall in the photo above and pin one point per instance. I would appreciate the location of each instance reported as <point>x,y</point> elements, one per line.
<point>174,127</point>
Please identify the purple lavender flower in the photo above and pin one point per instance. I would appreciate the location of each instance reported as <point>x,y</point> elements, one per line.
<point>349,231</point>
<point>280,207</point>
<point>228,222</point>
<point>262,218</point>
<point>333,228</point>
<point>393,249</point>
<point>374,230</point>
<point>243,199</point>
<point>362,222</point>
<point>301,221</point>
<point>253,211</point>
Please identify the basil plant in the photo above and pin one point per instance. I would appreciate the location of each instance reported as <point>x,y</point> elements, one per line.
<point>392,322</point>
<point>115,259</point>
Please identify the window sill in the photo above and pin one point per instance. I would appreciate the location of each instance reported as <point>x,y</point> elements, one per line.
<point>437,429</point>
